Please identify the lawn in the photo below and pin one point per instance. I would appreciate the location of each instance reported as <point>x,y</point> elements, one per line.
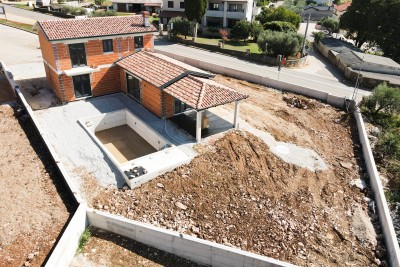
<point>125,14</point>
<point>231,44</point>
<point>23,26</point>
<point>24,7</point>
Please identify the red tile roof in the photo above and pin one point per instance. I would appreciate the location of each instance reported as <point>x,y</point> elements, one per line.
<point>180,80</point>
<point>93,27</point>
<point>342,7</point>
<point>155,68</point>
<point>200,93</point>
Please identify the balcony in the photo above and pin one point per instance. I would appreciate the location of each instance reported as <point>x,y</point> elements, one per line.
<point>215,13</point>
<point>236,14</point>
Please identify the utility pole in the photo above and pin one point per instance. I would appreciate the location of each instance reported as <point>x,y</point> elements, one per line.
<point>305,36</point>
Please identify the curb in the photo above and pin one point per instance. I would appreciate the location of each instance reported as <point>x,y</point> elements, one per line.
<point>18,28</point>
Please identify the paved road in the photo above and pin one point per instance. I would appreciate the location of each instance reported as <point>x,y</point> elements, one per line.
<point>323,83</point>
<point>24,16</point>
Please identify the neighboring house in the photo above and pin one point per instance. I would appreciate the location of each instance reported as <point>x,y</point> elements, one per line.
<point>98,56</point>
<point>370,70</point>
<point>218,14</point>
<point>136,6</point>
<point>317,12</point>
<point>324,2</point>
<point>340,9</point>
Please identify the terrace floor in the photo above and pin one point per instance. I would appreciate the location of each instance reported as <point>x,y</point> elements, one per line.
<point>124,143</point>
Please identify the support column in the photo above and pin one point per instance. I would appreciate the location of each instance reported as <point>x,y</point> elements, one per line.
<point>236,118</point>
<point>224,22</point>
<point>199,116</point>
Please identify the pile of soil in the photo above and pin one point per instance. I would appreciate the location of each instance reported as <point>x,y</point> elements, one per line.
<point>238,193</point>
<point>33,212</point>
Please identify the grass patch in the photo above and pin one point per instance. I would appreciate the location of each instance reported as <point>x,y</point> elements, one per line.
<point>231,44</point>
<point>26,7</point>
<point>84,239</point>
<point>125,14</point>
<point>22,26</point>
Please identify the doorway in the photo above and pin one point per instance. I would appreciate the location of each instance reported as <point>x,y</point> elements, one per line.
<point>82,86</point>
<point>133,87</point>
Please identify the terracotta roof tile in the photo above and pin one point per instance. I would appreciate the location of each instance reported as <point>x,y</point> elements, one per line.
<point>342,7</point>
<point>93,27</point>
<point>200,93</point>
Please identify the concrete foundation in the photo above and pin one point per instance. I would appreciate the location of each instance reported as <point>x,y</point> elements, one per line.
<point>130,143</point>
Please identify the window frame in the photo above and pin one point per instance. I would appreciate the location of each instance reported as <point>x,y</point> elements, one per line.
<point>138,40</point>
<point>213,6</point>
<point>77,56</point>
<point>170,4</point>
<point>108,46</point>
<point>182,5</point>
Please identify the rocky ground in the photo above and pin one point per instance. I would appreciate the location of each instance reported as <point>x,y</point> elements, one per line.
<point>33,208</point>
<point>238,193</point>
<point>108,249</point>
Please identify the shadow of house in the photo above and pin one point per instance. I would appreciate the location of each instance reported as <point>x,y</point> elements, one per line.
<point>370,70</point>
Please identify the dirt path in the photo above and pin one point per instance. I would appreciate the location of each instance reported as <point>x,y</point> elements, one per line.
<point>239,193</point>
<point>32,211</point>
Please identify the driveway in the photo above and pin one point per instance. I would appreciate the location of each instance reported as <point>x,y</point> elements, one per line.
<point>24,16</point>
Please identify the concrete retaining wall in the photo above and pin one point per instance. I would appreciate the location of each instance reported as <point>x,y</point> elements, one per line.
<point>194,249</point>
<point>326,97</point>
<point>66,247</point>
<point>376,185</point>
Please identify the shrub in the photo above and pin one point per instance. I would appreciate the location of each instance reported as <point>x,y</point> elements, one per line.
<point>241,30</point>
<point>279,14</point>
<point>388,144</point>
<point>318,36</point>
<point>332,25</point>
<point>70,10</point>
<point>181,26</point>
<point>213,30</point>
<point>60,1</point>
<point>256,29</point>
<point>280,26</point>
<point>280,43</point>
<point>224,34</point>
<point>383,98</point>
<point>104,13</point>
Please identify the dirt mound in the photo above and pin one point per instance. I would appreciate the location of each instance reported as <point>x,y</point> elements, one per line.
<point>240,194</point>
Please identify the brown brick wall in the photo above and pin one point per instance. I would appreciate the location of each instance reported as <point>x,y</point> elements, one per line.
<point>106,81</point>
<point>123,80</point>
<point>47,50</point>
<point>61,52</point>
<point>168,105</point>
<point>68,87</point>
<point>148,41</point>
<point>151,98</point>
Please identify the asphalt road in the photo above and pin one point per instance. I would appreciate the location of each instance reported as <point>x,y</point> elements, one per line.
<point>24,16</point>
<point>331,82</point>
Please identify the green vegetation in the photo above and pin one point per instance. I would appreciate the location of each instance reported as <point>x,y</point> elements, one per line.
<point>230,44</point>
<point>279,14</point>
<point>181,26</point>
<point>318,36</point>
<point>75,11</point>
<point>83,240</point>
<point>382,108</point>
<point>104,13</point>
<point>374,22</point>
<point>122,13</point>
<point>280,43</point>
<point>332,25</point>
<point>22,26</point>
<point>280,26</point>
<point>194,11</point>
<point>241,30</point>
<point>24,6</point>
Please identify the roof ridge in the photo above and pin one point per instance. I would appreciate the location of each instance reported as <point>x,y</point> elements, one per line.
<point>201,94</point>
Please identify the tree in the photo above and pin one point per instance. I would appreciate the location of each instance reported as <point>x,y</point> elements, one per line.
<point>279,14</point>
<point>280,26</point>
<point>280,43</point>
<point>318,36</point>
<point>332,25</point>
<point>99,2</point>
<point>375,22</point>
<point>241,30</point>
<point>383,98</point>
<point>194,11</point>
<point>181,26</point>
<point>224,35</point>
<point>256,29</point>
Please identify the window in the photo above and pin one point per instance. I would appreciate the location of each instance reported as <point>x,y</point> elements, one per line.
<point>235,8</point>
<point>182,5</point>
<point>108,45</point>
<point>170,4</point>
<point>213,6</point>
<point>133,87</point>
<point>181,107</point>
<point>77,54</point>
<point>232,22</point>
<point>138,40</point>
<point>82,85</point>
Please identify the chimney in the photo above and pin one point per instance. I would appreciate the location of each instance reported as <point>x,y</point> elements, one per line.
<point>146,21</point>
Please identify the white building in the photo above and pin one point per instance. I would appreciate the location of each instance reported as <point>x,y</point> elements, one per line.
<point>220,14</point>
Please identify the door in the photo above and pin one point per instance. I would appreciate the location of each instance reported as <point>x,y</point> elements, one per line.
<point>82,86</point>
<point>133,87</point>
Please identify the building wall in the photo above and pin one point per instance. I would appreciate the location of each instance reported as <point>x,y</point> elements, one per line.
<point>47,50</point>
<point>176,5</point>
<point>151,98</point>
<point>168,105</point>
<point>106,81</point>
<point>122,77</point>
